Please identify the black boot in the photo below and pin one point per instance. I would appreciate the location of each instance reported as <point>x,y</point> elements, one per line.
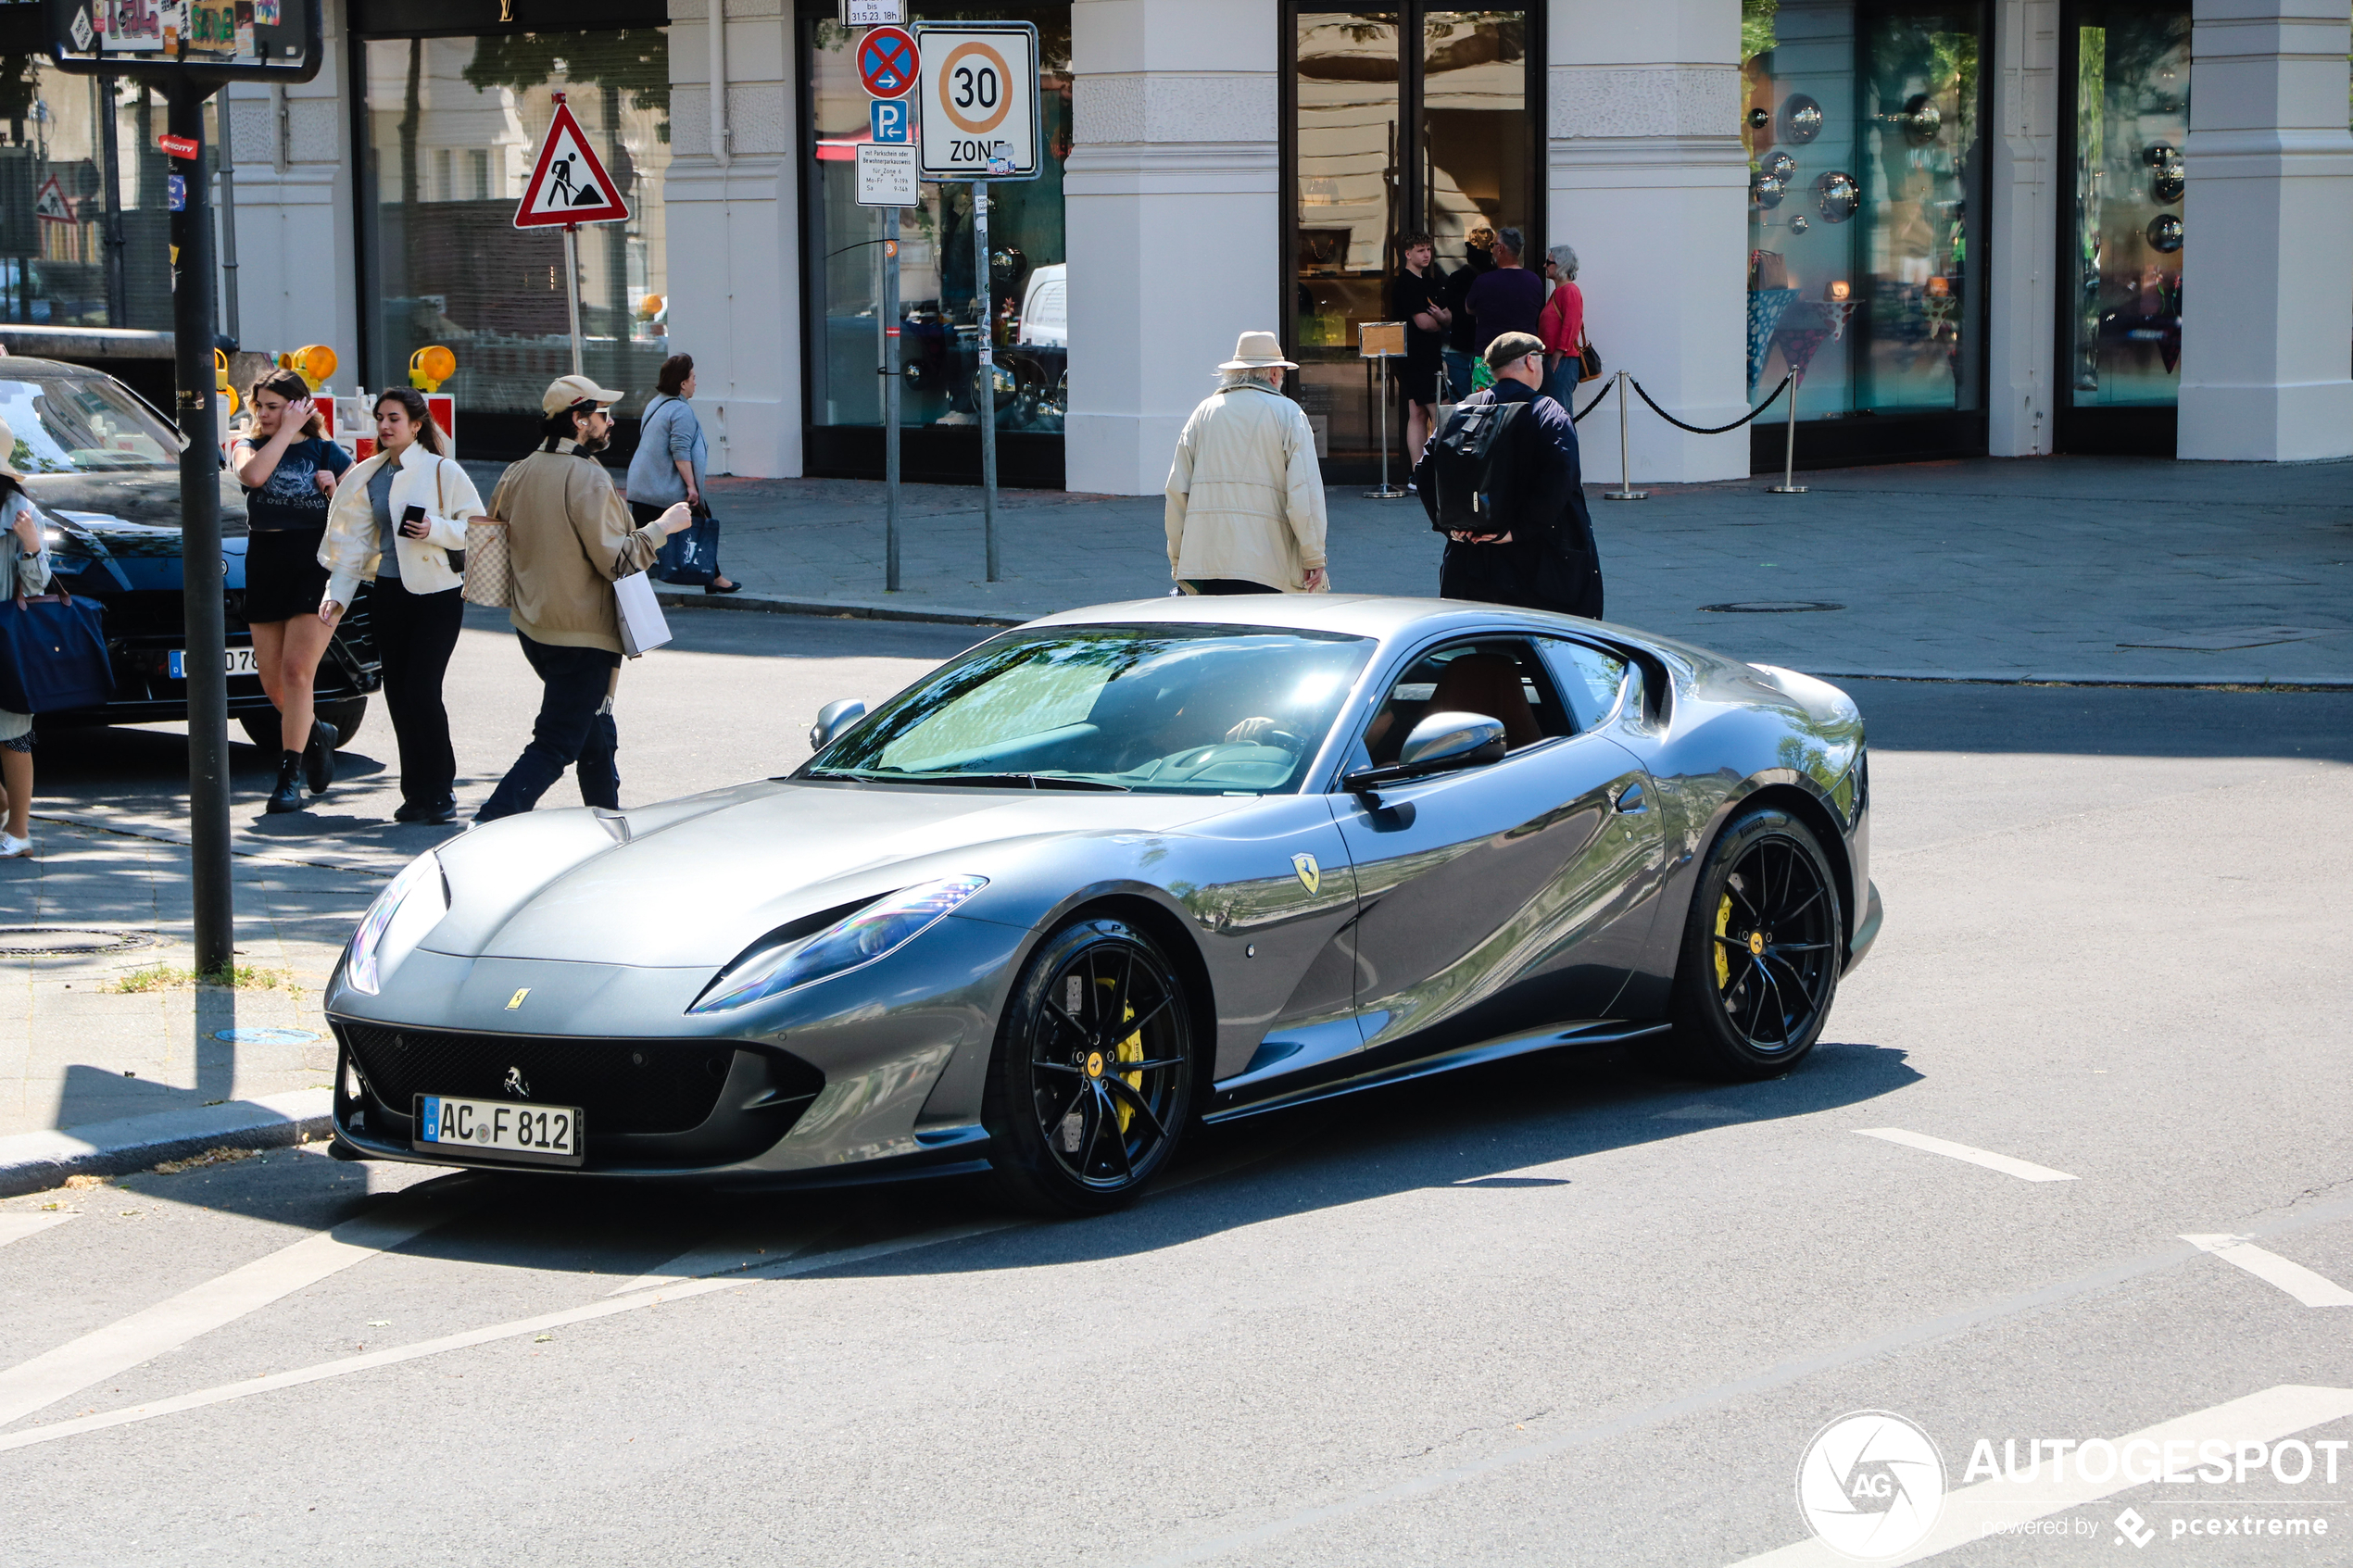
<point>319,756</point>
<point>287,797</point>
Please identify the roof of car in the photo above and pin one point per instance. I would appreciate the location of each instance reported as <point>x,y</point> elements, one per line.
<point>1362,615</point>
<point>14,362</point>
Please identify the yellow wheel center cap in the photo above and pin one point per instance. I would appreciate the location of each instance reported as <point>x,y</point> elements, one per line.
<point>1756,943</point>
<point>1094,1064</point>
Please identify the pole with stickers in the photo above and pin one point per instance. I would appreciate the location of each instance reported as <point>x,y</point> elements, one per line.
<point>886,68</point>
<point>569,187</point>
<point>976,120</point>
<point>189,49</point>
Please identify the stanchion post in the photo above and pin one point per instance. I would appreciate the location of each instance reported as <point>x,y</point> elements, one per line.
<point>1789,443</point>
<point>1386,492</point>
<point>1625,491</point>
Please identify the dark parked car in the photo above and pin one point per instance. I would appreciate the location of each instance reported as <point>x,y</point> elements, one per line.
<point>105,467</point>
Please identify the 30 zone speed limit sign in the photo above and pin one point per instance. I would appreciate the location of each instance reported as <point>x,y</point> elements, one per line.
<point>977,108</point>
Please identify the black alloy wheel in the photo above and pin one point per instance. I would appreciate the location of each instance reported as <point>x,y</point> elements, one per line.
<point>1761,950</point>
<point>1092,1081</point>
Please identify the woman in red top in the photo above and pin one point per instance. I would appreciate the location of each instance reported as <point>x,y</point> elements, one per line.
<point>1562,324</point>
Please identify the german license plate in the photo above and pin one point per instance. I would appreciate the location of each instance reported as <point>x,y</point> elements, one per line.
<point>541,1134</point>
<point>238,661</point>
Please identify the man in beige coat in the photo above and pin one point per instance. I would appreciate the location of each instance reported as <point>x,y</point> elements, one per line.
<point>1245,496</point>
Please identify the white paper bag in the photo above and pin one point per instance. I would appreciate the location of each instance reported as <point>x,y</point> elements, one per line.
<point>642,626</point>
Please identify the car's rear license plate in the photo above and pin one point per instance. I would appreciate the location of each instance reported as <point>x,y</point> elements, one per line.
<point>237,661</point>
<point>542,1135</point>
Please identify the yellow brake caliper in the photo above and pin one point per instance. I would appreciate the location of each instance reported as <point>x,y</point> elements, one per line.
<point>1130,1049</point>
<point>1723,923</point>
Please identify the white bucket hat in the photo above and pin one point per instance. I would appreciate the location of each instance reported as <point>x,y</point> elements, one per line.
<point>1258,351</point>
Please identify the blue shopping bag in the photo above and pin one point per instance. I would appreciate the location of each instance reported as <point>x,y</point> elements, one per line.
<point>690,556</point>
<point>53,654</point>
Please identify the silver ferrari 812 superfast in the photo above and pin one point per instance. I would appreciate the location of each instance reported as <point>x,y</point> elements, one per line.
<point>1120,869</point>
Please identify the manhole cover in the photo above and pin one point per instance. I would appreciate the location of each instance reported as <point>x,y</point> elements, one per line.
<point>40,941</point>
<point>266,1036</point>
<point>1770,606</point>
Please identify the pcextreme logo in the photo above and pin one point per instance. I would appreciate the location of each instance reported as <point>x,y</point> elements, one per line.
<point>1871,1486</point>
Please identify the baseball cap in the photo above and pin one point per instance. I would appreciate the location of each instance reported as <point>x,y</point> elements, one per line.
<point>565,392</point>
<point>1504,349</point>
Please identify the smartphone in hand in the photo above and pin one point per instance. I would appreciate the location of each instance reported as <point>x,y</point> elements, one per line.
<point>412,523</point>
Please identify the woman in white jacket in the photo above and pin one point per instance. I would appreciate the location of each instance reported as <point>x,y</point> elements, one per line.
<point>395,519</point>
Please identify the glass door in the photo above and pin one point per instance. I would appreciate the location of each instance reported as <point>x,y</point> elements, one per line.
<point>2126,100</point>
<point>1401,122</point>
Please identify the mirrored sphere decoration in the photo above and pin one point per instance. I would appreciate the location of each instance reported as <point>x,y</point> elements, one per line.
<point>1840,197</point>
<point>1781,166</point>
<point>2160,155</point>
<point>1922,119</point>
<point>1005,264</point>
<point>2170,184</point>
<point>1767,190</point>
<point>1798,224</point>
<point>1760,117</point>
<point>1801,119</point>
<point>2165,233</point>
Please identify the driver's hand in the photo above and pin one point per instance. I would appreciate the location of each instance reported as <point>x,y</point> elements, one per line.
<point>1250,730</point>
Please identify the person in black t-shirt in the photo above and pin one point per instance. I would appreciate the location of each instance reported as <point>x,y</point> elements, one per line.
<point>1414,299</point>
<point>288,469</point>
<point>1459,350</point>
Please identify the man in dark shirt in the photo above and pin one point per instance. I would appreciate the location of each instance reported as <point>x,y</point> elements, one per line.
<point>1479,261</point>
<point>1509,299</point>
<point>1541,556</point>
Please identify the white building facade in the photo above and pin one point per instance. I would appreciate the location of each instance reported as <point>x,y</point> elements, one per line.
<point>1957,227</point>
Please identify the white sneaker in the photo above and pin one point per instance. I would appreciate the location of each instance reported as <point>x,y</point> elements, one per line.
<point>12,847</point>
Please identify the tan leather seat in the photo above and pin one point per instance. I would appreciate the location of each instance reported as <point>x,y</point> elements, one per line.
<point>1488,683</point>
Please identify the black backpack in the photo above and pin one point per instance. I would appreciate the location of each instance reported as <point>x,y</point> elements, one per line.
<point>1472,464</point>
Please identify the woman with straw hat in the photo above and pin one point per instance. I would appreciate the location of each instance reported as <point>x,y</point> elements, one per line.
<point>1245,509</point>
<point>28,573</point>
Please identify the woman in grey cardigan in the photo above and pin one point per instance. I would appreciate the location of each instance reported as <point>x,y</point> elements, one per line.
<point>668,468</point>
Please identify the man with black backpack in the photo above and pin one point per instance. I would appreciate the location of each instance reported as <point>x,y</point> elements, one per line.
<point>1503,482</point>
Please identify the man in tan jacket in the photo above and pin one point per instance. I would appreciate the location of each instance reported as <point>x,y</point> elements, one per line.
<point>569,539</point>
<point>1245,496</point>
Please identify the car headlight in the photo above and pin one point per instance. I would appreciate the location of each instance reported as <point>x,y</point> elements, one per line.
<point>878,928</point>
<point>400,918</point>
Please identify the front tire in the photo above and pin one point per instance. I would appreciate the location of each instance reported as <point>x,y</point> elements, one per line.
<point>1091,1085</point>
<point>1761,952</point>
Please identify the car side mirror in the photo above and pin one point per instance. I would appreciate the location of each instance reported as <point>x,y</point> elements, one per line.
<point>833,719</point>
<point>1441,743</point>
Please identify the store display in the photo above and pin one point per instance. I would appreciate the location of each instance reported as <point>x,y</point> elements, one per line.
<point>2165,233</point>
<point>1801,119</point>
<point>1781,166</point>
<point>1838,196</point>
<point>1766,190</point>
<point>1922,119</point>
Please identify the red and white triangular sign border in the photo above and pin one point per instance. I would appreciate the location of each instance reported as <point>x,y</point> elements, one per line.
<point>568,185</point>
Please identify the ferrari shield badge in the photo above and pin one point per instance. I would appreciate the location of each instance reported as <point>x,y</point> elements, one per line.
<point>1311,875</point>
<point>516,1000</point>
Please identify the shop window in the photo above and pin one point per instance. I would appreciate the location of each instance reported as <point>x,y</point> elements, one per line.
<point>1866,275</point>
<point>55,167</point>
<point>1025,311</point>
<point>452,126</point>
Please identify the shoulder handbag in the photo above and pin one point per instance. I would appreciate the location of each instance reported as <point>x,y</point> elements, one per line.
<point>1589,361</point>
<point>53,653</point>
<point>489,569</point>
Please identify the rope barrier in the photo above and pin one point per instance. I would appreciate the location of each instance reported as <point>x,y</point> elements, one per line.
<point>1606,384</point>
<point>1695,430</point>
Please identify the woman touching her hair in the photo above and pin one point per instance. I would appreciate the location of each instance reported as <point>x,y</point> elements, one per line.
<point>288,469</point>
<point>395,519</point>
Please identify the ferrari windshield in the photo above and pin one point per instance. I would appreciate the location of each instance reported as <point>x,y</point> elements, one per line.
<point>1212,709</point>
<point>82,424</point>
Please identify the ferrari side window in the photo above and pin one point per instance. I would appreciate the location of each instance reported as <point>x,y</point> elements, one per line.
<point>1592,679</point>
<point>1500,677</point>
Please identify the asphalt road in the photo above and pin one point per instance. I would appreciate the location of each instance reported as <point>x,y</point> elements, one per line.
<point>1561,1311</point>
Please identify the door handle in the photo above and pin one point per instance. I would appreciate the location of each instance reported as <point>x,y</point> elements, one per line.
<point>1632,800</point>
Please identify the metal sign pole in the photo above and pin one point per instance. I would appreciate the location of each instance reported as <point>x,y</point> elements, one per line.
<point>202,566</point>
<point>890,399</point>
<point>1625,491</point>
<point>986,393</point>
<point>1789,443</point>
<point>571,288</point>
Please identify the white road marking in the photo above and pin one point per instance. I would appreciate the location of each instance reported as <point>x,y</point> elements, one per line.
<point>121,1345</point>
<point>16,1227</point>
<point>2025,1171</point>
<point>2272,1269</point>
<point>1972,1512</point>
<point>726,1255</point>
<point>471,1337</point>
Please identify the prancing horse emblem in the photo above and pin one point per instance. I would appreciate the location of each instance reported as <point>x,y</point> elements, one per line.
<point>515,1086</point>
<point>1311,875</point>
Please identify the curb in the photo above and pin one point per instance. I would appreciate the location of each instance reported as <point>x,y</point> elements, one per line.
<point>32,1161</point>
<point>839,609</point>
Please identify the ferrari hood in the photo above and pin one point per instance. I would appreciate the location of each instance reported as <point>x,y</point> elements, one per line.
<point>691,882</point>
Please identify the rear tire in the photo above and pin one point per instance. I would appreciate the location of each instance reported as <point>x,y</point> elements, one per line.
<point>1762,949</point>
<point>1091,1083</point>
<point>264,731</point>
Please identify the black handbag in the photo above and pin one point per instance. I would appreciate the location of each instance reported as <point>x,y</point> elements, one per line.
<point>53,654</point>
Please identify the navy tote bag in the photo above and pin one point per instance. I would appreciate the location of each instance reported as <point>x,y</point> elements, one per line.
<point>53,654</point>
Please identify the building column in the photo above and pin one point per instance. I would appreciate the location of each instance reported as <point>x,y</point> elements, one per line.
<point>1649,183</point>
<point>2266,314</point>
<point>2021,326</point>
<point>1171,207</point>
<point>733,227</point>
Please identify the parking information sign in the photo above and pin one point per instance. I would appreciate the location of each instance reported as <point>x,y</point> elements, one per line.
<point>976,109</point>
<point>886,175</point>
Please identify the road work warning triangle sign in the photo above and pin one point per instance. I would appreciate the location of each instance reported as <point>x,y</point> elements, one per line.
<point>568,185</point>
<point>52,205</point>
